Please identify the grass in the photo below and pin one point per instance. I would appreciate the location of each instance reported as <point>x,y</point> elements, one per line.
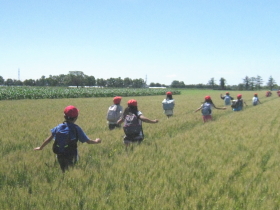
<point>229,163</point>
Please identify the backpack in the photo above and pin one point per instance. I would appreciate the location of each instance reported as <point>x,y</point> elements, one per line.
<point>206,109</point>
<point>113,113</point>
<point>234,104</point>
<point>63,143</point>
<point>167,104</point>
<point>227,100</point>
<point>131,126</point>
<point>255,101</point>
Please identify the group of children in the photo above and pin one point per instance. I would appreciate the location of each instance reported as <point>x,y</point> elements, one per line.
<point>67,134</point>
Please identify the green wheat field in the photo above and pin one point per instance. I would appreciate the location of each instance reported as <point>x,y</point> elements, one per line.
<point>232,162</point>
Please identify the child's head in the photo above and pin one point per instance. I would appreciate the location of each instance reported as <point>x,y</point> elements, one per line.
<point>227,93</point>
<point>71,113</point>
<point>239,96</point>
<point>117,100</point>
<point>256,94</point>
<point>208,99</point>
<point>132,103</point>
<point>131,107</point>
<point>169,95</point>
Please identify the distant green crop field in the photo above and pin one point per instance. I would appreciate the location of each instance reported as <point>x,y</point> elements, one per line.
<point>183,163</point>
<point>15,93</point>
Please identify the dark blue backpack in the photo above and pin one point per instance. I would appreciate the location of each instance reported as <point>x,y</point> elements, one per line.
<point>63,143</point>
<point>131,126</point>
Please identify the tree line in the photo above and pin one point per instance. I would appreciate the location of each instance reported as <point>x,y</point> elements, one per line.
<point>249,83</point>
<point>79,79</point>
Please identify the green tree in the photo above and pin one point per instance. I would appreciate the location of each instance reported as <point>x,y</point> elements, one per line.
<point>152,84</point>
<point>222,83</point>
<point>42,81</point>
<point>111,82</point>
<point>90,80</point>
<point>2,80</point>
<point>101,82</point>
<point>240,86</point>
<point>211,82</point>
<point>138,83</point>
<point>18,82</point>
<point>252,83</point>
<point>29,82</point>
<point>246,82</point>
<point>127,82</point>
<point>119,82</point>
<point>175,84</point>
<point>271,83</point>
<point>75,78</point>
<point>52,80</point>
<point>259,82</point>
<point>9,82</point>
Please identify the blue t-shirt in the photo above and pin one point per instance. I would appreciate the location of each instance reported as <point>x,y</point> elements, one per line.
<point>82,137</point>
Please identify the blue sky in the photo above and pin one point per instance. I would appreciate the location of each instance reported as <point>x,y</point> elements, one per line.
<point>186,40</point>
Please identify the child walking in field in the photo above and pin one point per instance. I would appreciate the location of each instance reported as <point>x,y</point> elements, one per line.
<point>114,113</point>
<point>133,119</point>
<point>237,105</point>
<point>206,109</point>
<point>66,136</point>
<point>168,104</point>
<point>255,100</point>
<point>227,98</point>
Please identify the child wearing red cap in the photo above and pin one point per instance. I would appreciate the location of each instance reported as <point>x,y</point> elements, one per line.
<point>168,104</point>
<point>255,100</point>
<point>114,113</point>
<point>227,98</point>
<point>237,105</point>
<point>130,112</point>
<point>268,93</point>
<point>206,109</point>
<point>70,157</point>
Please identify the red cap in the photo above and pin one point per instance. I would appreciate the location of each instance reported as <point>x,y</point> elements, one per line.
<point>207,97</point>
<point>227,93</point>
<point>168,93</point>
<point>117,99</point>
<point>71,111</point>
<point>132,102</point>
<point>255,94</point>
<point>239,96</point>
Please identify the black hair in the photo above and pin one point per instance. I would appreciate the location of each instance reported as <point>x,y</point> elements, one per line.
<point>132,109</point>
<point>209,101</point>
<point>69,119</point>
<point>169,97</point>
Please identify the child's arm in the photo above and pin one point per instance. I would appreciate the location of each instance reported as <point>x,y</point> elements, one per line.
<point>219,107</point>
<point>44,143</point>
<point>198,109</point>
<point>145,119</point>
<point>223,108</point>
<point>96,141</point>
<point>120,121</point>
